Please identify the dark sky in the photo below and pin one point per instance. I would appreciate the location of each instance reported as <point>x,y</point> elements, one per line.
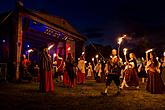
<point>103,21</point>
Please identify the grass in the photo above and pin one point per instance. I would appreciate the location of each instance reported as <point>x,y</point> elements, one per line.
<point>25,96</point>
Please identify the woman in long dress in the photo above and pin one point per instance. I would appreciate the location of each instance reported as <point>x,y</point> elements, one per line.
<point>81,73</point>
<point>131,70</point>
<point>98,70</point>
<point>70,71</point>
<point>46,75</point>
<point>90,71</point>
<point>155,84</point>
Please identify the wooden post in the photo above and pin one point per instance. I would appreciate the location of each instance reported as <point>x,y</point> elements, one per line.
<point>19,45</point>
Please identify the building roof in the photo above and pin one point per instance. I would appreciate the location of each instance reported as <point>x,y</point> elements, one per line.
<point>58,21</point>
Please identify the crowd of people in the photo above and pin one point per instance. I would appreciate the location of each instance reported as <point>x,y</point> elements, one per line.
<point>124,74</point>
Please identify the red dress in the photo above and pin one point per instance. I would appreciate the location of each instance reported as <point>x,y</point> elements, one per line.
<point>131,75</point>
<point>46,75</point>
<point>155,83</point>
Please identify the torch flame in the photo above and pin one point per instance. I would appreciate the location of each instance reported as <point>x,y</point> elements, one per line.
<point>121,39</point>
<point>125,51</point>
<point>69,49</point>
<point>30,50</point>
<point>97,56</point>
<point>54,54</point>
<point>150,50</point>
<point>50,46</point>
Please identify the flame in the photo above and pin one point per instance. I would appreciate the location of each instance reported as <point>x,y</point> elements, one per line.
<point>54,54</point>
<point>125,51</point>
<point>50,46</point>
<point>97,56</point>
<point>69,49</point>
<point>30,50</point>
<point>150,50</point>
<point>121,39</point>
<point>93,59</point>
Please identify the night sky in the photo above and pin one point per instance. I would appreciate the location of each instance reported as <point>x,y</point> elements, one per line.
<point>103,21</point>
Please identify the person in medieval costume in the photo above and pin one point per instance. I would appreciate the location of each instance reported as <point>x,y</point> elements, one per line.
<point>114,65</point>
<point>131,73</point>
<point>89,71</point>
<point>98,70</point>
<point>81,73</point>
<point>70,75</point>
<point>60,67</point>
<point>155,83</point>
<point>25,74</point>
<point>141,70</point>
<point>46,75</point>
<point>163,69</point>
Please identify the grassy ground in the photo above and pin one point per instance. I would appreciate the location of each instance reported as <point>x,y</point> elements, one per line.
<point>25,96</point>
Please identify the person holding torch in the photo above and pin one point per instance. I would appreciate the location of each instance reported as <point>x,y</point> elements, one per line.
<point>155,83</point>
<point>131,73</point>
<point>114,66</point>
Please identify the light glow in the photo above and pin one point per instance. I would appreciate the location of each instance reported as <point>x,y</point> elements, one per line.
<point>157,58</point>
<point>125,51</point>
<point>50,46</point>
<point>97,56</point>
<point>121,39</point>
<point>54,55</point>
<point>150,50</point>
<point>68,48</point>
<point>30,50</point>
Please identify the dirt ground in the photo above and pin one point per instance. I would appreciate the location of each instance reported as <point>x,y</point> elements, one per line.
<point>25,96</point>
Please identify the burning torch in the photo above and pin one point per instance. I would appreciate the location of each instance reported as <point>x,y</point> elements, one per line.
<point>150,50</point>
<point>29,51</point>
<point>125,53</point>
<point>119,42</point>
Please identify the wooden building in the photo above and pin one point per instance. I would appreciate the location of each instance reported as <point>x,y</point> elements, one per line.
<point>24,29</point>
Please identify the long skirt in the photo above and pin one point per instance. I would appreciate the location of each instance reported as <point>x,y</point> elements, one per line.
<point>68,81</point>
<point>155,84</point>
<point>46,81</point>
<point>80,77</point>
<point>131,77</point>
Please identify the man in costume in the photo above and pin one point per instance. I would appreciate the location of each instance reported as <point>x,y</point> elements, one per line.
<point>114,65</point>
